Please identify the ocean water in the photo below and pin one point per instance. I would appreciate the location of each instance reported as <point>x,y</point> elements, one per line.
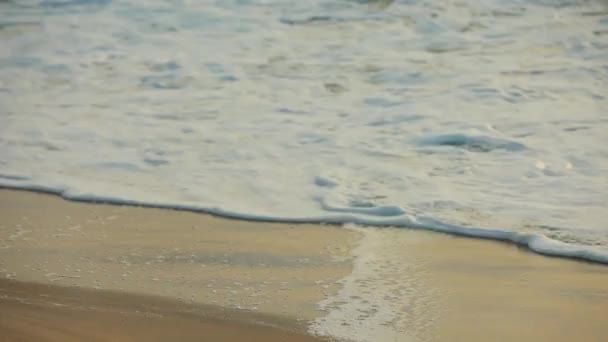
<point>480,118</point>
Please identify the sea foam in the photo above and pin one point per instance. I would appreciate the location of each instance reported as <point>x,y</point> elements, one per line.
<point>476,119</point>
<point>389,216</point>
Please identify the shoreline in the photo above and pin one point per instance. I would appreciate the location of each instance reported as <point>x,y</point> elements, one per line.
<point>533,242</point>
<point>270,268</point>
<point>363,284</point>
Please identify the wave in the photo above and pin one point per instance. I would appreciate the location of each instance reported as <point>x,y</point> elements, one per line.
<point>378,216</point>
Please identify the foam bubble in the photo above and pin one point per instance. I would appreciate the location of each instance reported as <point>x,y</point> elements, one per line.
<point>382,299</point>
<point>337,129</point>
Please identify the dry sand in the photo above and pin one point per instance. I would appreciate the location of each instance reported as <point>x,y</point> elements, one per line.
<point>162,273</point>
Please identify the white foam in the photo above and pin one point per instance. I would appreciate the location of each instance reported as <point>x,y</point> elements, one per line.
<point>389,216</point>
<point>316,112</point>
<point>382,299</point>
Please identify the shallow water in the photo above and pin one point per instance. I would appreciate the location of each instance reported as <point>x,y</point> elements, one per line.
<point>482,118</point>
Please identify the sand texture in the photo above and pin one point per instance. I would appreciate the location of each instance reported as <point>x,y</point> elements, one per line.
<point>76,269</point>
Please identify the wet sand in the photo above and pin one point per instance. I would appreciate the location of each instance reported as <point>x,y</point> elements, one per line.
<point>270,268</point>
<point>264,270</point>
<point>127,273</point>
<point>437,287</point>
<point>496,291</point>
<point>40,312</point>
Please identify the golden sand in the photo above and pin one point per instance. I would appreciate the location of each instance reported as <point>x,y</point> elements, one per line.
<point>40,312</point>
<point>438,287</point>
<point>114,272</point>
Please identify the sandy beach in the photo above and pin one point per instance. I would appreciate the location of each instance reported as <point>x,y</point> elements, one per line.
<point>40,312</point>
<point>73,270</point>
<point>323,170</point>
<point>451,288</point>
